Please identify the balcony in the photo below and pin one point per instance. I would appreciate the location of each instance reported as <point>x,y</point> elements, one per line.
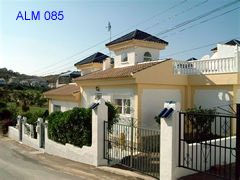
<point>210,66</point>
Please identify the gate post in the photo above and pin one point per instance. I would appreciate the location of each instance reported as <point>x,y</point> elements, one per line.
<point>41,132</point>
<point>19,121</point>
<point>169,143</point>
<point>99,115</point>
<point>237,174</point>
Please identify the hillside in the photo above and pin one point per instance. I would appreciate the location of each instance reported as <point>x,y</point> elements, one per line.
<point>7,74</point>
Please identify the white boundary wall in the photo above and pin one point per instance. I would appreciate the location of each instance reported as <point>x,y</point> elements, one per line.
<point>89,155</point>
<point>203,153</point>
<point>28,140</point>
<point>13,133</point>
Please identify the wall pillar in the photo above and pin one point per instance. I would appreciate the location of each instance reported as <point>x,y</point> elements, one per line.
<point>169,143</point>
<point>41,130</point>
<point>99,115</point>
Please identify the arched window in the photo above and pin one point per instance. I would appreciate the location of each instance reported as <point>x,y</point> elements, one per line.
<point>147,56</point>
<point>124,57</point>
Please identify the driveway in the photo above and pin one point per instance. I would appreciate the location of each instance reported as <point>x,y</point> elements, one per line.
<point>18,161</point>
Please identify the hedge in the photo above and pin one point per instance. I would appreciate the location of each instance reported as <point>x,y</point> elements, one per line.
<point>73,127</point>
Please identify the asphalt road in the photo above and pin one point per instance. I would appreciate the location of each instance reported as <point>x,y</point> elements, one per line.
<point>19,162</point>
<point>15,163</point>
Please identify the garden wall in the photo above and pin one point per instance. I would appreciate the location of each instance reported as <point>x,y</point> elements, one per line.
<point>13,133</point>
<point>200,153</point>
<point>28,140</point>
<point>84,155</point>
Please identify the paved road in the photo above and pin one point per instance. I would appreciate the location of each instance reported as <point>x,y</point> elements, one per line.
<point>16,164</point>
<point>19,162</point>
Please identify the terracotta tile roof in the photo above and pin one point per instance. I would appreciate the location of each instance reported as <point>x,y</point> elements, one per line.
<point>66,90</point>
<point>117,72</point>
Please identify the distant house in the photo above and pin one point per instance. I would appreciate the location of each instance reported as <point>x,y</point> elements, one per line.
<point>67,78</point>
<point>52,85</point>
<point>35,84</point>
<point>2,81</point>
<point>13,81</point>
<point>25,83</point>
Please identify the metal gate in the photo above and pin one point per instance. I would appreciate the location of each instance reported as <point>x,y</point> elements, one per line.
<point>209,144</point>
<point>132,147</point>
<point>42,134</point>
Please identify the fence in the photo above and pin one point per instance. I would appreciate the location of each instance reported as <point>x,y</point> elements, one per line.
<point>207,144</point>
<point>132,147</point>
<point>211,66</point>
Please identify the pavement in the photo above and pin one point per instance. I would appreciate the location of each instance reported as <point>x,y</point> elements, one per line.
<point>20,162</point>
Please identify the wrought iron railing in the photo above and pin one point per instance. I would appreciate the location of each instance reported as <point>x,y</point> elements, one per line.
<point>133,147</point>
<point>207,143</point>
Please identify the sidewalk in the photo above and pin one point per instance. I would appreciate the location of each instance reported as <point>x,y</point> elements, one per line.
<point>69,167</point>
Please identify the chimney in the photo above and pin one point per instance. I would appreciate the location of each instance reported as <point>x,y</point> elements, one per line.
<point>107,64</point>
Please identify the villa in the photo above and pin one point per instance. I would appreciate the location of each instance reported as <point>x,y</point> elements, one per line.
<point>139,82</point>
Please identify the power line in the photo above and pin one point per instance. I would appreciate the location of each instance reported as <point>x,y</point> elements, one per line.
<point>186,10</point>
<point>177,14</point>
<point>196,48</point>
<point>198,17</point>
<point>201,16</point>
<point>99,43</point>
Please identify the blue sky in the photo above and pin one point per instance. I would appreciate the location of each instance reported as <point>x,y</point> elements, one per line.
<point>47,47</point>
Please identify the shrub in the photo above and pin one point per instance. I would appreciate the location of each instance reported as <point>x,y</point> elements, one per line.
<point>5,114</point>
<point>113,115</point>
<point>200,122</point>
<point>32,117</point>
<point>5,125</point>
<point>73,126</point>
<point>25,107</point>
<point>3,104</point>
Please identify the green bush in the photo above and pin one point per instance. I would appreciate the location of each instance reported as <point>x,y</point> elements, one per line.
<point>73,127</point>
<point>201,119</point>
<point>3,104</point>
<point>113,115</point>
<point>5,125</point>
<point>32,117</point>
<point>5,114</point>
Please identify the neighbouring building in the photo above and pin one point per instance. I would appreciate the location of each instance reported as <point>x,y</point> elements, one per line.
<point>66,78</point>
<point>25,83</point>
<point>2,81</point>
<point>13,81</point>
<point>138,82</point>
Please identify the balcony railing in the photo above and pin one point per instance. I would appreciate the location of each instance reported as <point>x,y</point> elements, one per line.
<point>210,66</point>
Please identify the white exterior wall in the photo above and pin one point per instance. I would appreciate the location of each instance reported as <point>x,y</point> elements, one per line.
<point>209,98</point>
<point>108,94</point>
<point>90,70</point>
<point>65,106</point>
<point>118,56</point>
<point>135,55</point>
<point>224,51</point>
<point>153,101</point>
<point>140,54</point>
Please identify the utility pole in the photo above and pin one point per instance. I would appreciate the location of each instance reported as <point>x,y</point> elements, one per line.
<point>109,27</point>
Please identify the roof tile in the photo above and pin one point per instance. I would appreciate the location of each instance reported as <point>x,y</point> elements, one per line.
<point>66,90</point>
<point>118,72</point>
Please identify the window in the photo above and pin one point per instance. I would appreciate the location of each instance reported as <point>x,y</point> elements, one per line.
<point>123,105</point>
<point>124,57</point>
<point>56,108</point>
<point>147,56</point>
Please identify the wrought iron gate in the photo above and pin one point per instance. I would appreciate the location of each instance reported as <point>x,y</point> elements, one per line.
<point>208,144</point>
<point>133,147</point>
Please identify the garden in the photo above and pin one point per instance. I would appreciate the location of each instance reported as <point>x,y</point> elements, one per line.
<point>25,102</point>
